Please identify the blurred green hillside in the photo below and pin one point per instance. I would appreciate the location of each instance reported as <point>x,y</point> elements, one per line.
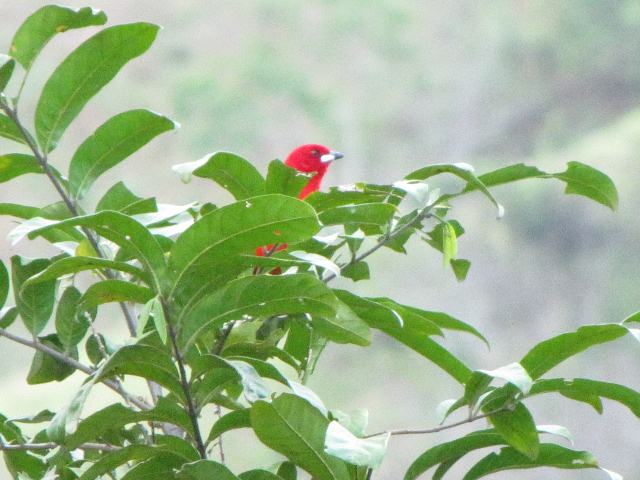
<point>397,84</point>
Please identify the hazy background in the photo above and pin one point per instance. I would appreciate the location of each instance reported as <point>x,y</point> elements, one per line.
<point>398,84</point>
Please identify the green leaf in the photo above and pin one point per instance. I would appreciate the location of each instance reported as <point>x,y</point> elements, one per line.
<point>513,373</point>
<point>9,130</point>
<point>34,302</point>
<point>423,321</point>
<point>126,233</point>
<point>66,420</point>
<point>449,244</point>
<point>147,362</point>
<point>143,317</point>
<point>14,165</point>
<point>549,353</point>
<point>413,334</point>
<point>511,173</point>
<point>108,291</point>
<point>356,271</point>
<point>4,284</point>
<point>71,324</point>
<point>72,265</point>
<point>116,139</point>
<point>433,351</point>
<point>463,171</point>
<point>451,451</point>
<point>518,428</point>
<point>210,388</point>
<point>585,389</point>
<point>345,327</point>
<point>584,180</point>
<point>116,416</point>
<point>364,452</point>
<point>17,210</point>
<point>293,427</point>
<point>19,462</point>
<point>121,199</point>
<point>83,74</point>
<point>162,465</point>
<point>159,320</point>
<point>287,471</point>
<point>460,268</point>
<point>550,455</point>
<point>260,295</point>
<point>437,236</point>
<point>205,470</point>
<point>228,170</point>
<point>40,417</point>
<point>265,369</point>
<point>322,201</point>
<point>136,453</point>
<point>286,180</point>
<point>8,315</point>
<point>6,71</point>
<point>230,421</point>
<point>209,249</point>
<point>253,386</point>
<point>41,26</point>
<point>365,214</point>
<point>44,368</point>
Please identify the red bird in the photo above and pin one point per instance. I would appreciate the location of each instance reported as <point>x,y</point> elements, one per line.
<point>311,158</point>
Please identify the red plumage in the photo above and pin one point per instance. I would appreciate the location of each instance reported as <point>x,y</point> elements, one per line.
<point>310,158</point>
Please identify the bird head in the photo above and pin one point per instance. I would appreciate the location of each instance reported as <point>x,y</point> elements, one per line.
<point>312,158</point>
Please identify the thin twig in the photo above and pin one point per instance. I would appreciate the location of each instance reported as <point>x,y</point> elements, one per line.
<point>61,357</point>
<point>51,445</point>
<point>504,408</point>
<point>224,336</point>
<point>220,447</point>
<point>267,253</point>
<point>184,382</point>
<point>381,243</point>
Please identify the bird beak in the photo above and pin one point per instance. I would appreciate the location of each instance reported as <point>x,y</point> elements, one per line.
<point>331,156</point>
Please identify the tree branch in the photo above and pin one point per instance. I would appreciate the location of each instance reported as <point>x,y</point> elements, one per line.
<point>51,445</point>
<point>184,382</point>
<point>61,357</point>
<point>422,214</point>
<point>42,160</point>
<point>504,408</point>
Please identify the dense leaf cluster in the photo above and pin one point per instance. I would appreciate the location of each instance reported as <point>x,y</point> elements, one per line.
<point>212,327</point>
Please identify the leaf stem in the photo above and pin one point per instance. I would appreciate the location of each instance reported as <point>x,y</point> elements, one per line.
<point>220,446</point>
<point>441,428</point>
<point>51,445</point>
<point>61,357</point>
<point>184,382</point>
<point>422,214</point>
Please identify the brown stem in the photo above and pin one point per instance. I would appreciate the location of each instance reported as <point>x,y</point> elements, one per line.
<point>442,427</point>
<point>224,336</point>
<point>61,357</point>
<point>42,160</point>
<point>51,445</point>
<point>220,446</point>
<point>381,243</point>
<point>184,382</point>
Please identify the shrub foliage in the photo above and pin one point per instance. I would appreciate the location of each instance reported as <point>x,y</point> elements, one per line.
<point>212,329</point>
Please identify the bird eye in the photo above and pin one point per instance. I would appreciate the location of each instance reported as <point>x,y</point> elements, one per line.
<point>314,152</point>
